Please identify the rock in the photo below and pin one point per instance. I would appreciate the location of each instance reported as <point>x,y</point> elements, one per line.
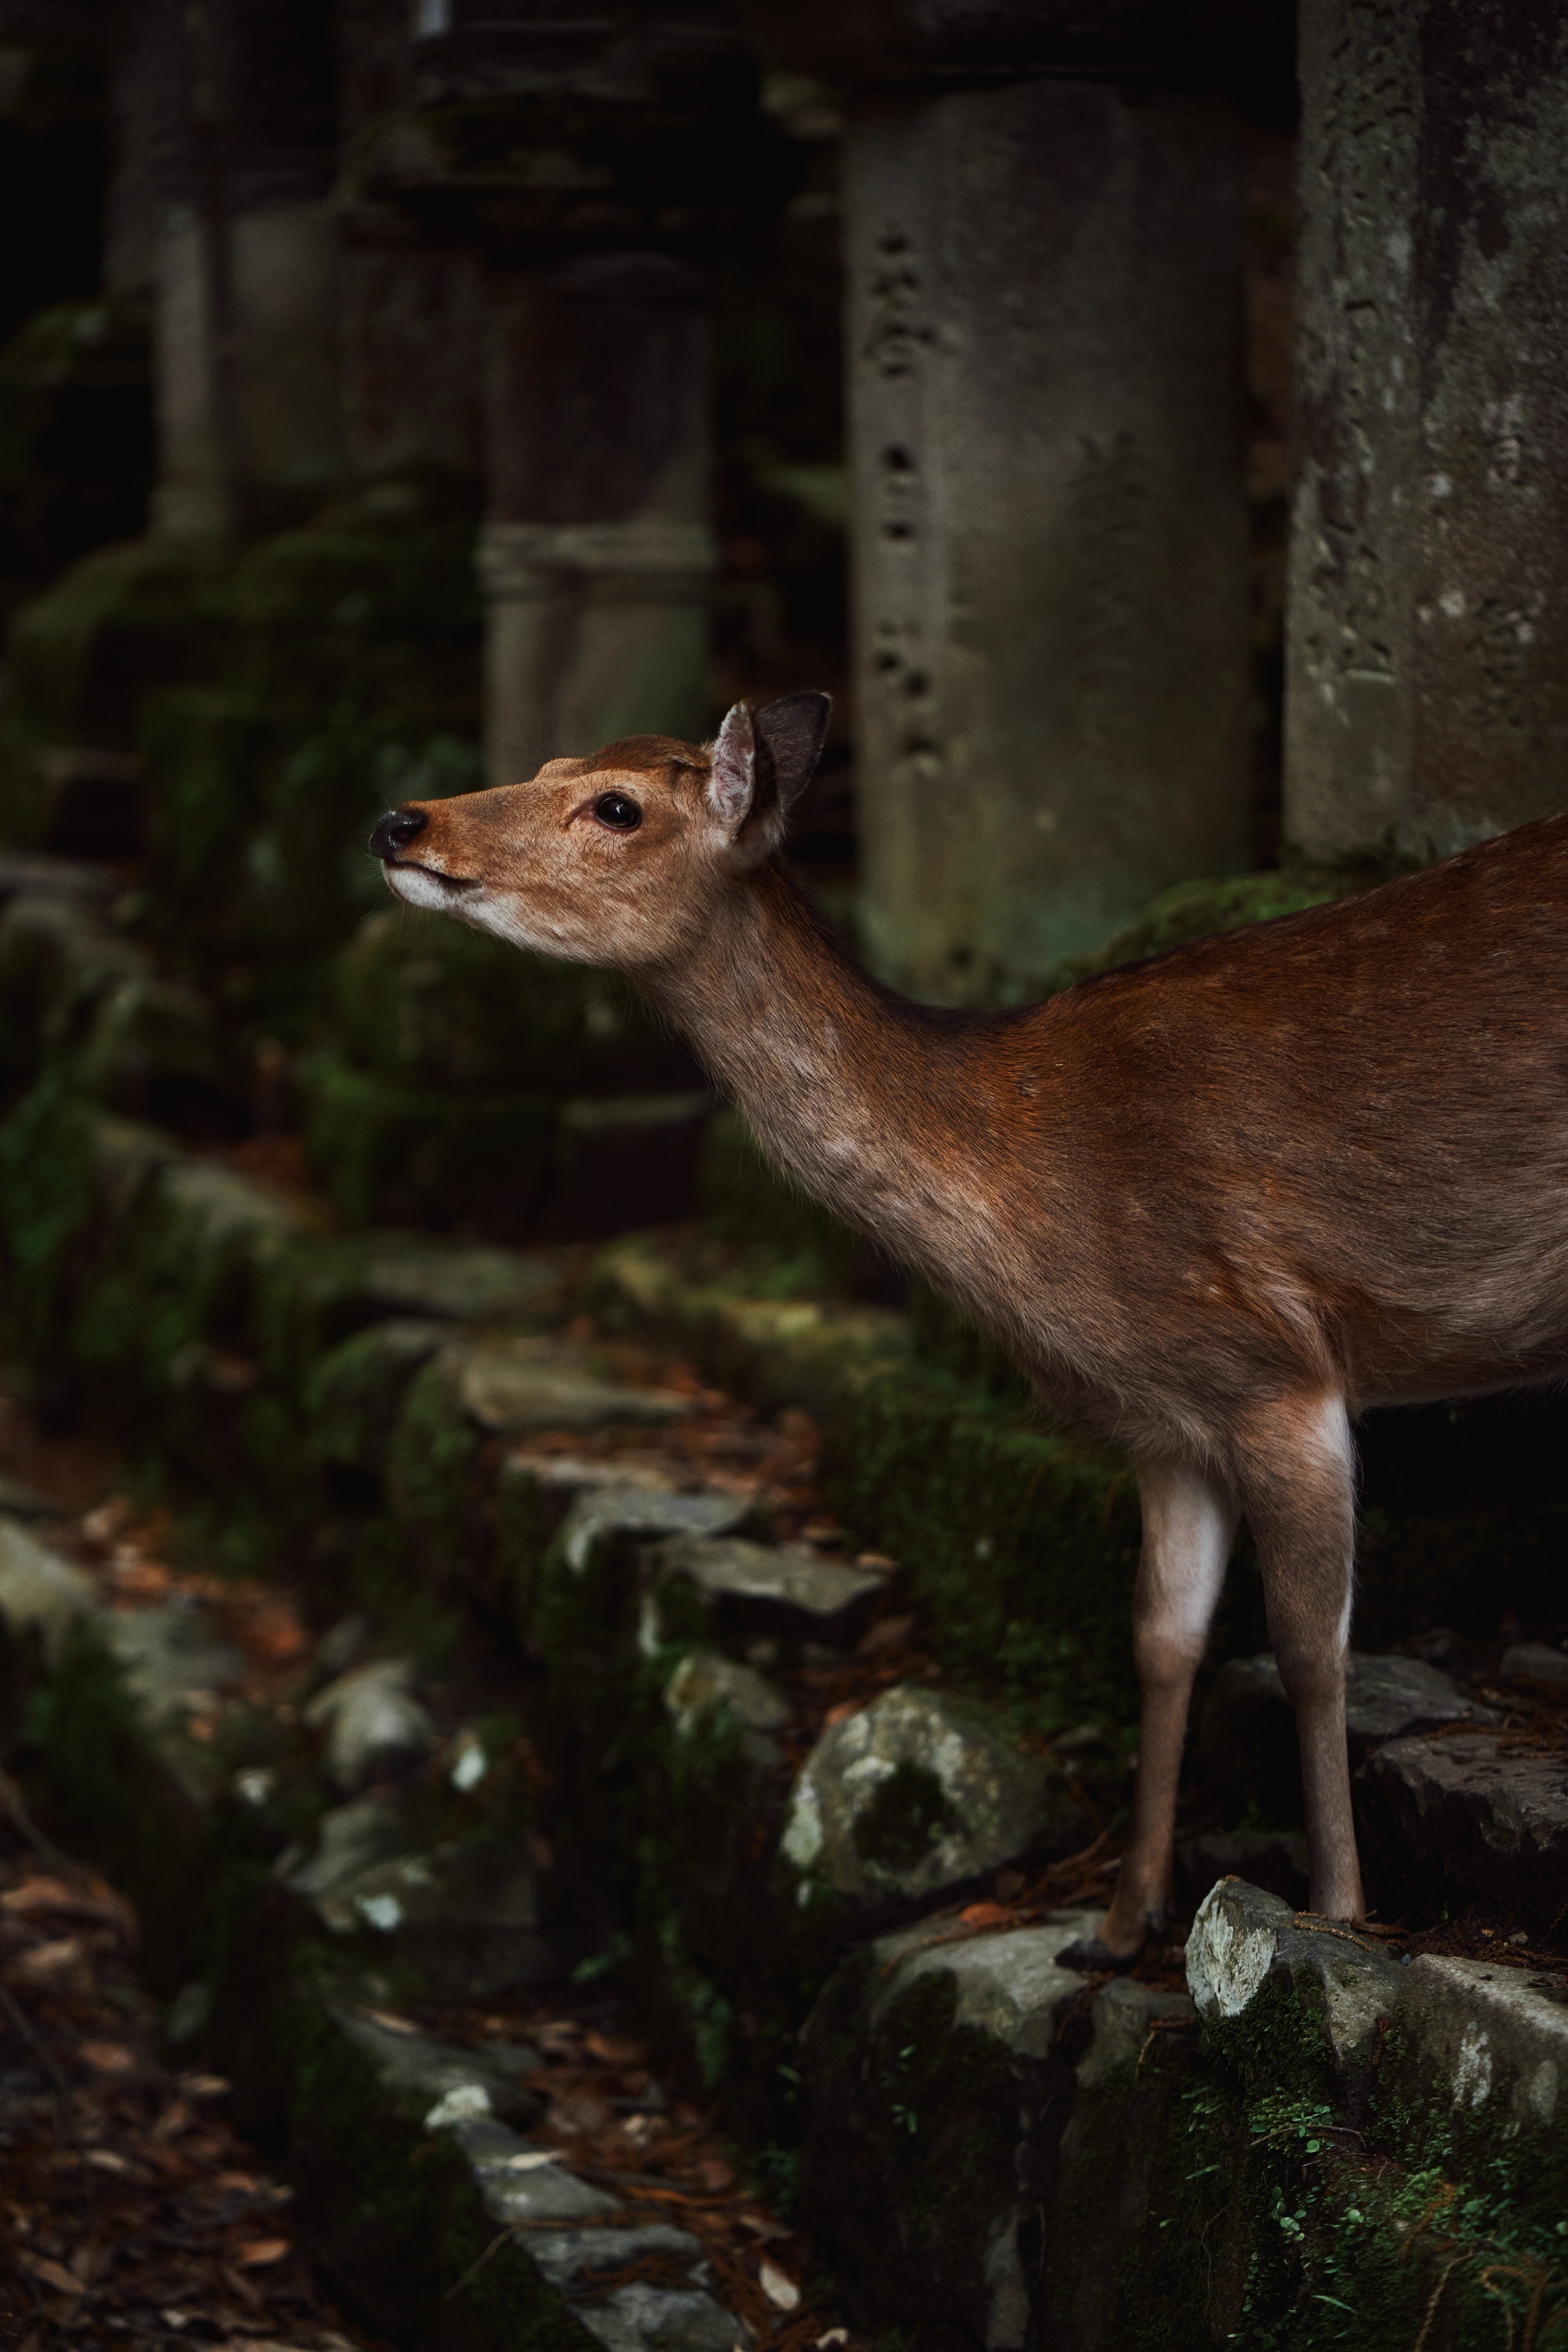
<point>1275,1860</point>
<point>736,1591</point>
<point>173,1661</point>
<point>1538,1661</point>
<point>527,2195</point>
<point>1486,1821</point>
<point>1244,1940</point>
<point>703,1680</point>
<point>465,1914</point>
<point>647,1506</point>
<point>354,1394</point>
<point>349,1839</point>
<point>375,1727</point>
<point>918,1796</point>
<point>1247,1738</point>
<point>1474,2037</point>
<point>512,1385</point>
<point>494,2075</point>
<point>462,1283</point>
<point>935,2100</point>
<point>41,1595</point>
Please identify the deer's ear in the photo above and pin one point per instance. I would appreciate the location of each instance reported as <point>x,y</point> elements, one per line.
<point>732,779</point>
<point>792,733</point>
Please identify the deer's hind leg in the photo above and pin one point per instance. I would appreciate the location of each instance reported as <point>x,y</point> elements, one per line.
<point>1298,1479</point>
<point>1189,1525</point>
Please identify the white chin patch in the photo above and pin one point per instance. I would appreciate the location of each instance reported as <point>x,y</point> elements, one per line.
<point>420,889</point>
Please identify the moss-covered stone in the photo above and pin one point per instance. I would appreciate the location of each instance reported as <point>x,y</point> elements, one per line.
<point>1192,911</point>
<point>425,1003</point>
<point>773,1350</point>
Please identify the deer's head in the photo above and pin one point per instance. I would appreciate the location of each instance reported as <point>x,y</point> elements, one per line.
<point>619,860</point>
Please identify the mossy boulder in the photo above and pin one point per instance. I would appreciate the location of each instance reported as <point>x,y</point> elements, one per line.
<point>423,1002</point>
<point>915,1800</point>
<point>76,434</point>
<point>83,657</point>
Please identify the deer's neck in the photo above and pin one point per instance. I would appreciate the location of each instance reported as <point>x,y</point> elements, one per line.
<point>857,1092</point>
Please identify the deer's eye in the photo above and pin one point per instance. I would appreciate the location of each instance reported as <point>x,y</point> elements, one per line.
<point>619,811</point>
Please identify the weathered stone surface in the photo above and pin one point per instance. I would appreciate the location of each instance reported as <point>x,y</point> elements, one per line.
<point>1022,797</point>
<point>741,1591</point>
<point>1540,1661</point>
<point>171,1659</point>
<point>917,1795</point>
<point>633,1503</point>
<point>375,1726</point>
<point>1483,1818</point>
<point>350,1839</point>
<point>1244,1939</point>
<point>465,1914</point>
<point>1247,1737</point>
<point>354,1394</point>
<point>462,1282</point>
<point>1488,2034</point>
<point>490,2080</point>
<point>512,1385</point>
<point>935,2099</point>
<point>524,2189</point>
<point>703,1680</point>
<point>40,1593</point>
<point>1426,705</point>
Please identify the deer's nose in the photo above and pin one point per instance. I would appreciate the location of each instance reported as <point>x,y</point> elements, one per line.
<point>397,828</point>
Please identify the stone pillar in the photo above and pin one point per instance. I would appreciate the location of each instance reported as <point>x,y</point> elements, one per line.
<point>588,161</point>
<point>1427,629</point>
<point>412,298</point>
<point>597,548</point>
<point>240,118</point>
<point>1050,539</point>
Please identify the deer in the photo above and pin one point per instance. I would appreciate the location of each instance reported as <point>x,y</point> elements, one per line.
<point>1214,1205</point>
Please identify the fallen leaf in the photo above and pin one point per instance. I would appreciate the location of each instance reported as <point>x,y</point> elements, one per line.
<point>37,1895</point>
<point>833,2335</point>
<point>256,2252</point>
<point>781,2292</point>
<point>715,2175</point>
<point>53,2273</point>
<point>107,2057</point>
<point>985,1915</point>
<point>50,1959</point>
<point>389,2019</point>
<point>886,1634</point>
<point>106,2160</point>
<point>202,2087</point>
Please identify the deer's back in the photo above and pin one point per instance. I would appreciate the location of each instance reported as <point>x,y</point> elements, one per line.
<point>1356,1116</point>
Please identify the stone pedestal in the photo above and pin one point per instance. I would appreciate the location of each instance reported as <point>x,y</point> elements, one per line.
<point>1050,542</point>
<point>597,547</point>
<point>1427,691</point>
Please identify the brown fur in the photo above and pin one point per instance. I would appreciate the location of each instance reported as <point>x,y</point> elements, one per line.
<point>1212,1203</point>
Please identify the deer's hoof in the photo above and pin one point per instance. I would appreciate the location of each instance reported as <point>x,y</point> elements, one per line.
<point>1089,1956</point>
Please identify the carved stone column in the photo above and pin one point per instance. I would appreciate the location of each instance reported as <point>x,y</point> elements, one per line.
<point>596,555</point>
<point>1427,633</point>
<point>232,104</point>
<point>587,162</point>
<point>1042,228</point>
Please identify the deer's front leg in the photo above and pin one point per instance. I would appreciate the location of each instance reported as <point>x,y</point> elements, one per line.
<point>1298,1486</point>
<point>1189,1523</point>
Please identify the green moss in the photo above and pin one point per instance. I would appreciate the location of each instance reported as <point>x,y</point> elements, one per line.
<point>1194,910</point>
<point>909,1815</point>
<point>1020,1547</point>
<point>392,1154</point>
<point>425,1003</point>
